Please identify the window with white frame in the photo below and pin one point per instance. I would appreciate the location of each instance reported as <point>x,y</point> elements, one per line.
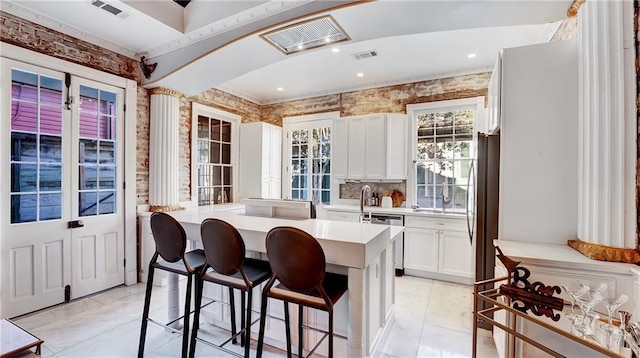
<point>214,153</point>
<point>443,149</point>
<point>308,157</point>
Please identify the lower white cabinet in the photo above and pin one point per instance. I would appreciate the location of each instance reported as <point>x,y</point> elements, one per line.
<point>438,248</point>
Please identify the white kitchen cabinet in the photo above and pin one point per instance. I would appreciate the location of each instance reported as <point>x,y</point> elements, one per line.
<point>356,148</point>
<point>438,248</point>
<point>374,147</point>
<point>455,253</point>
<point>339,147</point>
<point>260,161</point>
<point>421,249</point>
<point>374,308</point>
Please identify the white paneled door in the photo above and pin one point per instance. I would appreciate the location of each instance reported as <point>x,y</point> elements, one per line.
<point>62,207</point>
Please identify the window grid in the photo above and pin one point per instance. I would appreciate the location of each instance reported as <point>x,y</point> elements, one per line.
<point>215,170</point>
<point>311,164</point>
<point>36,147</point>
<point>96,152</point>
<point>444,147</point>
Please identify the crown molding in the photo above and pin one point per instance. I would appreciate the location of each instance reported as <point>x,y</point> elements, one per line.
<point>381,84</point>
<point>15,9</point>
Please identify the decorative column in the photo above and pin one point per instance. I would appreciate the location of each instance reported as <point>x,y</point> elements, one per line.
<point>163,150</point>
<point>607,128</point>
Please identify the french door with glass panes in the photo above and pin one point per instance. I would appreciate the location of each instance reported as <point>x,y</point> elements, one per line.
<point>310,161</point>
<point>62,205</point>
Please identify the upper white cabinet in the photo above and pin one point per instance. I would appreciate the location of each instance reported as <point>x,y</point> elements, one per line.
<point>340,144</point>
<point>493,106</point>
<point>260,160</point>
<point>370,147</point>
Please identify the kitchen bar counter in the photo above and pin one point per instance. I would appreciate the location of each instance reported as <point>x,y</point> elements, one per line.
<point>363,252</point>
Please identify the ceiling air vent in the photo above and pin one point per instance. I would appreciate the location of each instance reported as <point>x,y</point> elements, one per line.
<point>365,54</point>
<point>110,9</point>
<point>306,35</point>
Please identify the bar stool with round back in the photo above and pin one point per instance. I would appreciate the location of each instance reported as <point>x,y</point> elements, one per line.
<point>298,263</point>
<point>225,253</point>
<point>171,243</point>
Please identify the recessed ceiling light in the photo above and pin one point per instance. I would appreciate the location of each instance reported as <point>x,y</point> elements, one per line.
<point>360,74</point>
<point>471,55</point>
<point>335,50</point>
<point>280,89</point>
<point>300,47</point>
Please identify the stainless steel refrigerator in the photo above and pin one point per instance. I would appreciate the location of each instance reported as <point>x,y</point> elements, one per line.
<point>483,222</point>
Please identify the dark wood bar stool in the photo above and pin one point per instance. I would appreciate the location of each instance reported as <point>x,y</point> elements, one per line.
<point>225,255</point>
<point>298,263</point>
<point>171,243</point>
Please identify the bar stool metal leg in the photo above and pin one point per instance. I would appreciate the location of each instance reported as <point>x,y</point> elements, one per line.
<point>232,300</point>
<point>196,319</point>
<point>187,313</point>
<point>287,328</point>
<point>263,320</point>
<point>145,312</point>
<point>330,333</point>
<point>247,325</point>
<point>300,321</point>
<point>242,316</point>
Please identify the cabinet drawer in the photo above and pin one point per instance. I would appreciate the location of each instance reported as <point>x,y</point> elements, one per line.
<point>437,223</point>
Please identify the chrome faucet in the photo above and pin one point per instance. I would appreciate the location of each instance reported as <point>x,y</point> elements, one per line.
<point>365,193</point>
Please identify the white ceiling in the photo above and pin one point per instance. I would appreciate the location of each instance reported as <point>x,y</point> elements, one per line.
<point>216,43</point>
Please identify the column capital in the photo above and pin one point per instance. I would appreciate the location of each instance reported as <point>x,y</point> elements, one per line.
<point>573,9</point>
<point>165,91</point>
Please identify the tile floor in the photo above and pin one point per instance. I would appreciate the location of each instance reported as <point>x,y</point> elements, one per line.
<point>433,319</point>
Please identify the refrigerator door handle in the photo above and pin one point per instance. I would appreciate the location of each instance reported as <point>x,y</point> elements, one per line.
<point>470,206</point>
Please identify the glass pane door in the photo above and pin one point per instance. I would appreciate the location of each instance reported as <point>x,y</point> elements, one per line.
<point>36,147</point>
<point>310,165</point>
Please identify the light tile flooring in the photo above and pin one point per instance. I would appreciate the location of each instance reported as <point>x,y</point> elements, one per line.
<point>433,319</point>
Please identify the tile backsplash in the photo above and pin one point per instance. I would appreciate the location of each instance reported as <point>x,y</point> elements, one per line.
<point>351,190</point>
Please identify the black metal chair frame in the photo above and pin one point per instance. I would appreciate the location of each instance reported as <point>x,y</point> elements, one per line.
<point>176,261</point>
<point>225,253</point>
<point>300,281</point>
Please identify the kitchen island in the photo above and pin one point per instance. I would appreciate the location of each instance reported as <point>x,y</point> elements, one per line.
<point>363,252</point>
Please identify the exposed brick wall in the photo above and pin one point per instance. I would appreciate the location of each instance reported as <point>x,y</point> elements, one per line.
<point>142,150</point>
<point>24,33</point>
<point>391,99</point>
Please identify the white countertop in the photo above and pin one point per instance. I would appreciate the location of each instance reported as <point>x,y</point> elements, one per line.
<point>397,211</point>
<point>558,255</point>
<point>318,228</point>
<point>344,243</point>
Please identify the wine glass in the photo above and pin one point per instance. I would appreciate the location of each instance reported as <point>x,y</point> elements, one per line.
<point>587,304</point>
<point>611,304</point>
<point>574,294</point>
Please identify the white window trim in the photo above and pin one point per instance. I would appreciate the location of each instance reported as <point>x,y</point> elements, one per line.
<point>453,104</point>
<point>292,123</point>
<point>198,109</point>
<point>130,120</point>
